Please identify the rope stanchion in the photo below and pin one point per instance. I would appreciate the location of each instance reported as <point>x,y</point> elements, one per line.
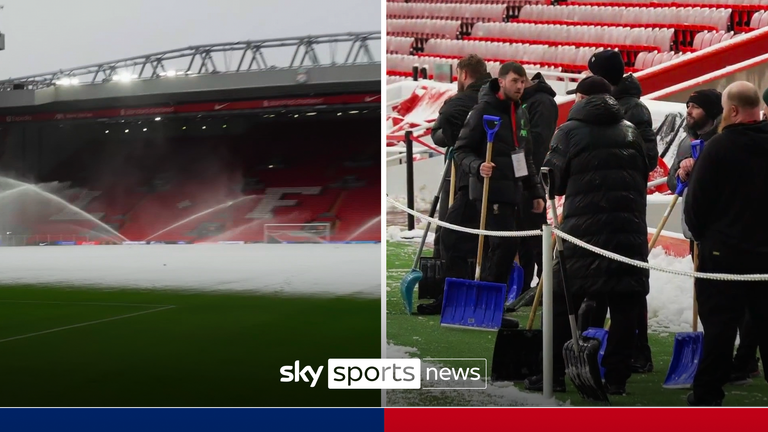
<point>585,245</point>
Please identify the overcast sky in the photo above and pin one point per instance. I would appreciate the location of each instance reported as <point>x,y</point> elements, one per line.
<point>47,35</point>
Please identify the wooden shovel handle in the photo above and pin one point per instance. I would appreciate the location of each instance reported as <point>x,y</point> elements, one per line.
<point>662,223</point>
<point>537,299</point>
<point>483,214</point>
<point>453,183</point>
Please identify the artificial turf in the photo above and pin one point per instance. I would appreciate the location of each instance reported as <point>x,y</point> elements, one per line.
<point>425,334</point>
<point>209,349</point>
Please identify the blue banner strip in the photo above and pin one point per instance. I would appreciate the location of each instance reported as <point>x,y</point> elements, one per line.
<point>191,419</point>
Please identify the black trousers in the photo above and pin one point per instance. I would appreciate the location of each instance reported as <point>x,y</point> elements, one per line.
<point>499,257</point>
<point>457,247</point>
<point>721,309</point>
<point>621,336</point>
<point>530,247</point>
<point>641,352</point>
<point>746,352</point>
<point>641,349</point>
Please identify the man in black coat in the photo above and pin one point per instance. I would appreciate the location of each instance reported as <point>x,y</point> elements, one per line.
<point>724,220</point>
<point>609,65</point>
<point>456,247</point>
<point>511,170</point>
<point>598,162</point>
<point>539,103</point>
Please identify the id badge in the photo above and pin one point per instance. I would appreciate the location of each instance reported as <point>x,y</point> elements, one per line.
<point>519,164</point>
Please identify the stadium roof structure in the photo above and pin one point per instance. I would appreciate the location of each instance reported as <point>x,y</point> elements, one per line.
<point>281,66</point>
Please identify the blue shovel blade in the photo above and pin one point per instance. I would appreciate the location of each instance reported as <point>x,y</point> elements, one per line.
<point>686,354</point>
<point>600,334</point>
<point>472,304</point>
<point>515,284</point>
<point>407,285</point>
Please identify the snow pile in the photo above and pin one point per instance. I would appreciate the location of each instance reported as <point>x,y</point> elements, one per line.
<point>322,269</point>
<point>494,395</point>
<point>670,302</point>
<point>398,234</point>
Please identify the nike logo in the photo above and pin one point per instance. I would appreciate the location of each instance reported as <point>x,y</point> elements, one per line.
<point>218,107</point>
<point>370,98</point>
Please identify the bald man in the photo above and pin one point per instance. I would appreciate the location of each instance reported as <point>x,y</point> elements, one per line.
<point>725,217</point>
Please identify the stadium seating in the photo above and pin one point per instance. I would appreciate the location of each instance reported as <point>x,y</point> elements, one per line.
<point>149,195</point>
<point>561,37</point>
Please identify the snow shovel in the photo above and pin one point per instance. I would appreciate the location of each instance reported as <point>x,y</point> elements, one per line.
<point>408,284</point>
<point>515,283</point>
<point>474,304</point>
<point>580,353</point>
<point>517,352</point>
<point>686,352</point>
<point>681,186</point>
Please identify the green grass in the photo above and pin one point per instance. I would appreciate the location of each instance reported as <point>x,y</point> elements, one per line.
<point>425,334</point>
<point>210,349</point>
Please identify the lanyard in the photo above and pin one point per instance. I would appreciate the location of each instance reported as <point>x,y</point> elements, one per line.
<point>514,123</point>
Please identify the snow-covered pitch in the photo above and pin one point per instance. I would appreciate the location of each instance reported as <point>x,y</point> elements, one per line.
<point>290,269</point>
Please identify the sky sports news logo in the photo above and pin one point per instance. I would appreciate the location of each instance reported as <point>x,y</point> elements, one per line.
<point>392,374</point>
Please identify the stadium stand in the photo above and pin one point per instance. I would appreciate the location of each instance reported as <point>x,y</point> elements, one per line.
<point>560,37</point>
<point>142,183</point>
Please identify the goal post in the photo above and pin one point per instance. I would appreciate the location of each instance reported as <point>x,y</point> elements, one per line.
<point>318,232</point>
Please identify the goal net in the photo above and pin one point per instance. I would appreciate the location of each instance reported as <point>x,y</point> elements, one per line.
<point>319,232</point>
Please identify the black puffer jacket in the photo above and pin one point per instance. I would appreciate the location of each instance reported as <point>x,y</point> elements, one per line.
<point>539,103</point>
<point>728,177</point>
<point>472,144</point>
<point>628,93</point>
<point>451,118</point>
<point>599,164</point>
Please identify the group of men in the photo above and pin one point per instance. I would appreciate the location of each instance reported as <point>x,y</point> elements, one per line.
<point>721,220</point>
<point>601,158</point>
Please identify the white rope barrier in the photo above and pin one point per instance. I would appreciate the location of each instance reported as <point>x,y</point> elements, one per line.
<point>433,221</point>
<point>581,243</point>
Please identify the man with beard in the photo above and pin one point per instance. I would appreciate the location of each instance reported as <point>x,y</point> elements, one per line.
<point>511,170</point>
<point>598,162</point>
<point>609,65</point>
<point>703,111</point>
<point>721,216</point>
<point>456,247</point>
<point>539,103</point>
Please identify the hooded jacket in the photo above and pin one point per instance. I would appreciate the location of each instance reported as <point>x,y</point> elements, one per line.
<point>598,161</point>
<point>539,103</point>
<point>628,93</point>
<point>512,135</point>
<point>451,118</point>
<point>730,175</point>
<point>684,152</point>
